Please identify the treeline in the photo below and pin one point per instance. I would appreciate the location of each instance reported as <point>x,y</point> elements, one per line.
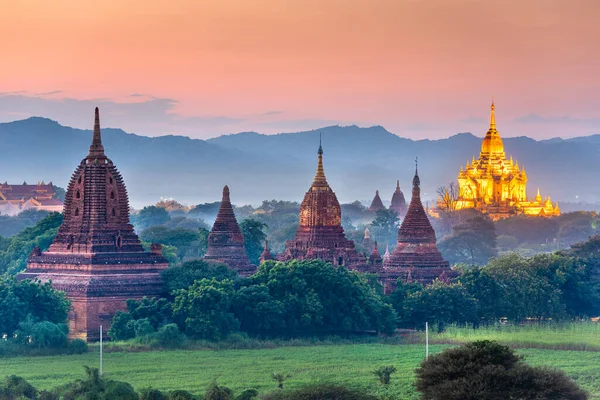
<point>208,301</point>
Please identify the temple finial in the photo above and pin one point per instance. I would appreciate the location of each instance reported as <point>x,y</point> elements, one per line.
<point>416,179</point>
<point>398,184</point>
<point>493,116</point>
<point>225,193</point>
<point>96,148</point>
<point>320,152</point>
<point>320,175</point>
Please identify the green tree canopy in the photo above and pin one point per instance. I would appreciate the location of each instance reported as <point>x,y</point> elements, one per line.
<point>150,216</point>
<point>254,238</point>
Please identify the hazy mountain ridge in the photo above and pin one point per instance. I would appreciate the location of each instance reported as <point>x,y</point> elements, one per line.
<point>357,162</point>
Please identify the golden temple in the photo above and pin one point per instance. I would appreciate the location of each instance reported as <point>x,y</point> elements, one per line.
<point>497,186</point>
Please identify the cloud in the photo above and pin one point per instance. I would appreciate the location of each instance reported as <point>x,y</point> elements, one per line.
<point>49,93</point>
<point>271,113</point>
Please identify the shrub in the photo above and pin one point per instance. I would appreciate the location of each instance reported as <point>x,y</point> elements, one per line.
<point>181,395</point>
<point>169,336</point>
<point>217,392</point>
<point>152,394</point>
<point>384,373</point>
<point>247,394</point>
<point>78,346</point>
<point>488,370</point>
<point>122,326</point>
<point>16,387</point>
<point>320,392</point>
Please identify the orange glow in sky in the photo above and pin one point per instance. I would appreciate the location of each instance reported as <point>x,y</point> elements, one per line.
<point>419,68</point>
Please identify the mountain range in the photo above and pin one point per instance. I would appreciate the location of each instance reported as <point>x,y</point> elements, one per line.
<point>357,162</point>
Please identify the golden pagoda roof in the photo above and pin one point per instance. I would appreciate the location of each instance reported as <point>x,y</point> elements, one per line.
<point>492,143</point>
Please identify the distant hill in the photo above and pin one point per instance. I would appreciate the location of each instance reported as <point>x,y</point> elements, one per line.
<point>357,162</point>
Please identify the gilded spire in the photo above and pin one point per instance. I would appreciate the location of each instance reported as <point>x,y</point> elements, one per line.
<point>493,117</point>
<point>96,149</point>
<point>320,179</point>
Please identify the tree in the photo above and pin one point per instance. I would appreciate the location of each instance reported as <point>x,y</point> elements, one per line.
<point>488,370</point>
<point>203,310</point>
<point>150,216</point>
<point>439,304</point>
<point>385,226</point>
<point>15,387</point>
<point>188,242</point>
<point>184,275</point>
<point>314,296</point>
<point>14,259</point>
<point>472,242</point>
<point>384,374</point>
<point>254,238</point>
<point>24,299</point>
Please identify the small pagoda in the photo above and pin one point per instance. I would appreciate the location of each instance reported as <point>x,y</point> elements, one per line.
<point>96,257</point>
<point>376,204</point>
<point>398,202</point>
<point>266,254</point>
<point>367,243</point>
<point>416,252</point>
<point>226,241</point>
<point>320,234</point>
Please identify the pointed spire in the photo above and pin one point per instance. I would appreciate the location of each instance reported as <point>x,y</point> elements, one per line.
<point>96,148</point>
<point>493,116</point>
<point>398,185</point>
<point>320,179</point>
<point>367,233</point>
<point>320,144</point>
<point>386,255</point>
<point>416,179</point>
<point>538,196</point>
<point>266,254</point>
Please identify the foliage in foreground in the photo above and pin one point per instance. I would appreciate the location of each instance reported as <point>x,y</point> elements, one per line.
<point>488,370</point>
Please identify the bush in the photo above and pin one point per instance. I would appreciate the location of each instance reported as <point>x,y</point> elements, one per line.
<point>488,370</point>
<point>152,394</point>
<point>247,394</point>
<point>217,392</point>
<point>16,387</point>
<point>42,334</point>
<point>121,327</point>
<point>78,346</point>
<point>181,395</point>
<point>384,373</point>
<point>169,336</point>
<point>320,392</point>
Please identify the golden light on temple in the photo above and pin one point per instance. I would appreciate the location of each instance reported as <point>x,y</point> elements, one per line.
<point>495,185</point>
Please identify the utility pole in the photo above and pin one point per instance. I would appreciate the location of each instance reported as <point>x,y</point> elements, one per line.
<point>100,350</point>
<point>426,341</point>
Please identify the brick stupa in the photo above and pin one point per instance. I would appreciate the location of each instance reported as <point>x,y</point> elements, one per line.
<point>266,254</point>
<point>96,257</point>
<point>376,204</point>
<point>398,202</point>
<point>226,241</point>
<point>416,251</point>
<point>320,234</point>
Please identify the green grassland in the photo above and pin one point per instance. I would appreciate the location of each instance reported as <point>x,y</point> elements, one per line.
<point>240,369</point>
<point>583,336</point>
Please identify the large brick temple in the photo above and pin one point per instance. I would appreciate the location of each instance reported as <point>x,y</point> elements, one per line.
<point>226,241</point>
<point>398,202</point>
<point>96,257</point>
<point>320,234</point>
<point>416,255</point>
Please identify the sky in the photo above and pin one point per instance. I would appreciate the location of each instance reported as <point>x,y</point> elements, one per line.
<point>202,68</point>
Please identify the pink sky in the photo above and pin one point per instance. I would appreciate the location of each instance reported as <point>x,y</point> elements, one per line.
<point>422,69</point>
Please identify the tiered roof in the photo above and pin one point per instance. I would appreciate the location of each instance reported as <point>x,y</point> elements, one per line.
<point>226,241</point>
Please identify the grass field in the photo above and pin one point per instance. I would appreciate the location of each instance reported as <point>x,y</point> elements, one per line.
<point>241,369</point>
<point>583,336</point>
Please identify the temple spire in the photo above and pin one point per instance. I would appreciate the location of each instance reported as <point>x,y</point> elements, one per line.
<point>320,179</point>
<point>493,116</point>
<point>398,185</point>
<point>96,149</point>
<point>416,180</point>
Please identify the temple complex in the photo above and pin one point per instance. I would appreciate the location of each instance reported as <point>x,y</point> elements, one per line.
<point>376,204</point>
<point>398,202</point>
<point>416,253</point>
<point>226,241</point>
<point>17,198</point>
<point>320,234</point>
<point>497,186</point>
<point>96,257</point>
